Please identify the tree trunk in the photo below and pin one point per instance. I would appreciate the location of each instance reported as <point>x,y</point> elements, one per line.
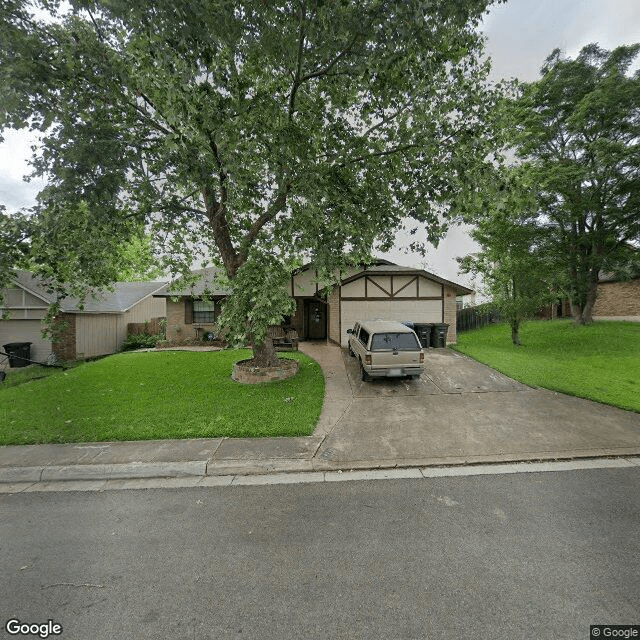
<point>515,332</point>
<point>583,313</point>
<point>587,311</point>
<point>264,355</point>
<point>576,312</point>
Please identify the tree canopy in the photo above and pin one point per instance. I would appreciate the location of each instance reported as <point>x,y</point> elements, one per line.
<point>577,134</point>
<point>519,271</point>
<point>249,133</point>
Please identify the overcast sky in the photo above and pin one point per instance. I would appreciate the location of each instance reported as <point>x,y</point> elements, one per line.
<point>520,35</point>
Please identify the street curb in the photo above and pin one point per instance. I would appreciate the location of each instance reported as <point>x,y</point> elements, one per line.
<point>255,468</point>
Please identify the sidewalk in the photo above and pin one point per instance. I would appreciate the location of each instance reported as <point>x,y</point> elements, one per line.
<point>186,458</point>
<point>345,438</point>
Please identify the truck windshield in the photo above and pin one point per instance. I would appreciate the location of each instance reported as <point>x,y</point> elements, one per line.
<point>395,341</point>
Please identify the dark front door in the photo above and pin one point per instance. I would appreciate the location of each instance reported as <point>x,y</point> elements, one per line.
<point>316,315</point>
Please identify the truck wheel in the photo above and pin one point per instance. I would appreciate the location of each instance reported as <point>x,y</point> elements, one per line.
<point>365,376</point>
<point>415,376</point>
<point>353,355</point>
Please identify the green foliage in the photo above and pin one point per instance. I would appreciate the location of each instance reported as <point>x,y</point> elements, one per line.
<point>14,249</point>
<point>259,299</point>
<point>137,261</point>
<point>600,362</point>
<point>140,341</point>
<point>246,133</point>
<point>519,272</point>
<point>120,398</point>
<point>577,133</point>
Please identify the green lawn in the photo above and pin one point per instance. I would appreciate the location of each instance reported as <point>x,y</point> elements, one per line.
<point>157,395</point>
<point>600,362</point>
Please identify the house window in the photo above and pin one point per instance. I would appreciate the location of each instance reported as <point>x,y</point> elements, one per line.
<point>203,311</point>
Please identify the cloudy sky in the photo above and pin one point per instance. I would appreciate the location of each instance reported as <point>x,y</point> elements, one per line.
<point>520,35</point>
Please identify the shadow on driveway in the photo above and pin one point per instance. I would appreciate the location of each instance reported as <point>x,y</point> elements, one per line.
<point>463,411</point>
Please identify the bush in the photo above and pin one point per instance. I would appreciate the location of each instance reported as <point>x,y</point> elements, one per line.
<point>140,341</point>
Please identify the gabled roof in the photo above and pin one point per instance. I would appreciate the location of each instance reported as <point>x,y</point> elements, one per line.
<point>207,282</point>
<point>124,295</point>
<point>383,267</point>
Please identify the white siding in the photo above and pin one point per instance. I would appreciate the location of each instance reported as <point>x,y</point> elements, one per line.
<point>145,310</point>
<point>405,286</point>
<point>382,282</point>
<point>429,288</point>
<point>25,331</point>
<point>387,309</point>
<point>304,283</point>
<point>353,289</point>
<point>96,334</point>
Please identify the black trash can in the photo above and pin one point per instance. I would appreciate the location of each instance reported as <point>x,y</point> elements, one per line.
<point>423,331</point>
<point>439,335</point>
<point>19,353</point>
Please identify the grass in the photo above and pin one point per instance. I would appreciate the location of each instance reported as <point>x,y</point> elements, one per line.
<point>16,377</point>
<point>600,362</point>
<point>160,395</point>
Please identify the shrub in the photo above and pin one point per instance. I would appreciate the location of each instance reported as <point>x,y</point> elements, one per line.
<point>140,341</point>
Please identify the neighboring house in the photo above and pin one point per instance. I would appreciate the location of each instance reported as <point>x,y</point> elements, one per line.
<point>619,299</point>
<point>616,299</point>
<point>383,290</point>
<point>98,329</point>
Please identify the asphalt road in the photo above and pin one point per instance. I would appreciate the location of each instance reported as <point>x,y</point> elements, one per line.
<point>535,555</point>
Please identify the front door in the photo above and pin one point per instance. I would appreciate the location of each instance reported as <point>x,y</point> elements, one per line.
<point>316,313</point>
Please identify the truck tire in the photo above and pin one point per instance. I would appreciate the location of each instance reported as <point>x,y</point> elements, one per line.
<point>365,376</point>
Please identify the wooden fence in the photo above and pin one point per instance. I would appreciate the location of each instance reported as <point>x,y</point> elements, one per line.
<point>150,328</point>
<point>475,317</point>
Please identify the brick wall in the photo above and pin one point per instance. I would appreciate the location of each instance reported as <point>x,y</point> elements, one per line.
<point>64,346</point>
<point>177,329</point>
<point>333,310</point>
<point>450,313</point>
<point>618,299</point>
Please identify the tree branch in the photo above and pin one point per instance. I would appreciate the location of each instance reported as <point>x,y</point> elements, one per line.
<point>296,79</point>
<point>326,69</point>
<point>277,206</point>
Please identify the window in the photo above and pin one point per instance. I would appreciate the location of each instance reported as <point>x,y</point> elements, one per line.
<point>364,337</point>
<point>203,311</point>
<point>394,341</point>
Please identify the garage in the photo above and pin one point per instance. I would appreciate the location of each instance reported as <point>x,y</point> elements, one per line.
<point>25,322</point>
<point>392,292</point>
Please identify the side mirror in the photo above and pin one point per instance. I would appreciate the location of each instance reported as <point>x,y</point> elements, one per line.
<point>349,330</point>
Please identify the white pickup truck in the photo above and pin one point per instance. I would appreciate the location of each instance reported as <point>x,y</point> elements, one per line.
<point>386,349</point>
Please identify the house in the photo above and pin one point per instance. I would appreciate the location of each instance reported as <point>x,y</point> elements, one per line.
<point>616,299</point>
<point>98,329</point>
<point>382,290</point>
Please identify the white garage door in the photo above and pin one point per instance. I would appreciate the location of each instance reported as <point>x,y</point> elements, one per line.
<point>353,311</point>
<point>26,331</point>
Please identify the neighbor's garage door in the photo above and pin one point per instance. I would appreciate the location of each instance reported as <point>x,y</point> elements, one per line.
<point>353,311</point>
<point>26,331</point>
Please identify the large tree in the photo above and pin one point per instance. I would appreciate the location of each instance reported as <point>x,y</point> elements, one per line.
<point>251,133</point>
<point>577,133</point>
<point>519,272</point>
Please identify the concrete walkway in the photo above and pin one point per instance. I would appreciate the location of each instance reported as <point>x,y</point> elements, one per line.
<point>458,412</point>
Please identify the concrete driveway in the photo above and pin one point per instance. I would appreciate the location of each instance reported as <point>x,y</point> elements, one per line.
<point>458,411</point>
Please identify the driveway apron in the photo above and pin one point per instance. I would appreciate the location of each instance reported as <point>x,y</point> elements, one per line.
<point>462,411</point>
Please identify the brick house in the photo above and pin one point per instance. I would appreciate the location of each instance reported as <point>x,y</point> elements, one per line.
<point>382,290</point>
<point>99,328</point>
<point>619,299</point>
<point>616,300</point>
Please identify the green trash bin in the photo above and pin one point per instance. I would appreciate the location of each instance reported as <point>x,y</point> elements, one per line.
<point>19,353</point>
<point>439,335</point>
